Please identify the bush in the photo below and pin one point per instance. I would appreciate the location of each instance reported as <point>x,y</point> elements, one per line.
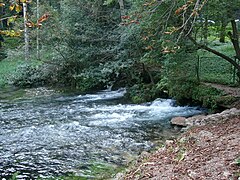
<point>190,91</point>
<point>28,75</point>
<point>140,93</point>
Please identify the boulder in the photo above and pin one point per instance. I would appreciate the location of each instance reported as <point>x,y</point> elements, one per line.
<point>179,121</point>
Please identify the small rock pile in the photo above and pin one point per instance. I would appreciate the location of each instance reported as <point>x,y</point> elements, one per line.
<point>200,120</point>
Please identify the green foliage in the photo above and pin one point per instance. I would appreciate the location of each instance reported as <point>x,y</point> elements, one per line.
<point>215,69</point>
<point>104,50</point>
<point>14,176</point>
<point>108,2</point>
<point>208,96</point>
<point>140,93</point>
<point>96,170</point>
<point>191,91</point>
<point>182,89</point>
<point>7,67</point>
<point>238,161</point>
<point>101,170</point>
<point>87,44</point>
<point>29,75</point>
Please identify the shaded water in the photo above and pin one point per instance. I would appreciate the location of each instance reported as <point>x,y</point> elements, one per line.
<point>51,134</point>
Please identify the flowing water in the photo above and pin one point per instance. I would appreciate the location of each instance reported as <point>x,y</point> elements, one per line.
<point>49,134</point>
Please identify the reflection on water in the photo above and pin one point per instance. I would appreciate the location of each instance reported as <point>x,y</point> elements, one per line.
<point>52,134</point>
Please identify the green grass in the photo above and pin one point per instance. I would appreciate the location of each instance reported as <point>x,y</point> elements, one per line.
<point>15,58</point>
<point>215,69</point>
<point>7,67</point>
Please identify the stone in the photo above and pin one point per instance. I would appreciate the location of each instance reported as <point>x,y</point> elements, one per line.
<point>169,142</point>
<point>195,120</point>
<point>204,133</point>
<point>179,121</point>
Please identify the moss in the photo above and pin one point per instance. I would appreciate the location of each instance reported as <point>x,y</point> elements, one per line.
<point>96,170</point>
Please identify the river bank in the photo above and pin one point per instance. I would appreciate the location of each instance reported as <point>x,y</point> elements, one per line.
<point>208,150</point>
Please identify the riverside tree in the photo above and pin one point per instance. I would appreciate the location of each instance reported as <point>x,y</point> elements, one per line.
<point>171,25</point>
<point>11,12</point>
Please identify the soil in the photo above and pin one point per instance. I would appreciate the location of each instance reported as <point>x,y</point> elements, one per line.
<point>202,153</point>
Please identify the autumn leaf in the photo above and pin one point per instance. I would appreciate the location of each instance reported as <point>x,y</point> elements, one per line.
<point>17,34</point>
<point>11,7</point>
<point>18,8</point>
<point>125,17</point>
<point>25,1</point>
<point>178,11</point>
<point>43,18</point>
<point>30,24</point>
<point>11,33</point>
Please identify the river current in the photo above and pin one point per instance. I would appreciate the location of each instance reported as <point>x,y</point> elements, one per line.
<point>48,135</point>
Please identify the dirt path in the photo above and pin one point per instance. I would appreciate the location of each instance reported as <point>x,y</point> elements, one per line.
<point>233,91</point>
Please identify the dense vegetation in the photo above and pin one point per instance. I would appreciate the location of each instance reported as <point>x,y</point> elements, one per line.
<point>154,48</point>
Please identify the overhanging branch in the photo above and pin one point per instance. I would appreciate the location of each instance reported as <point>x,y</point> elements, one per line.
<point>227,58</point>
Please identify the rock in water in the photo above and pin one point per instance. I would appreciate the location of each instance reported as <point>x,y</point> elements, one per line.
<point>179,121</point>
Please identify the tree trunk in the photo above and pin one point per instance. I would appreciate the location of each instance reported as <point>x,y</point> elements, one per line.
<point>1,27</point>
<point>38,53</point>
<point>26,35</point>
<point>235,41</point>
<point>223,31</point>
<point>122,8</point>
<point>205,31</point>
<point>205,27</point>
<point>235,38</point>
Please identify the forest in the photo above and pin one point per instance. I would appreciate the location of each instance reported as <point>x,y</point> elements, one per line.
<point>186,50</point>
<point>167,48</point>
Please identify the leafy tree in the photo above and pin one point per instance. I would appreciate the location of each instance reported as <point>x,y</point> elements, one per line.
<point>174,23</point>
<point>90,35</point>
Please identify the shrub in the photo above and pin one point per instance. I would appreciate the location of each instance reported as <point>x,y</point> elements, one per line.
<point>27,75</point>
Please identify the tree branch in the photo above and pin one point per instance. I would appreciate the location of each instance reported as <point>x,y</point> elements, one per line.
<point>227,58</point>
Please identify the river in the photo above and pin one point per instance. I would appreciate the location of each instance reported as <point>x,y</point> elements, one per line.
<point>51,134</point>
